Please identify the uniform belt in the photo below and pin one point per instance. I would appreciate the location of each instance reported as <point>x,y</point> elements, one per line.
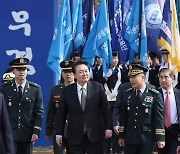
<point>173,126</point>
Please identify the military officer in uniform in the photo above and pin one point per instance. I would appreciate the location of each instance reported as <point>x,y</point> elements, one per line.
<point>54,105</point>
<point>25,107</point>
<point>142,119</point>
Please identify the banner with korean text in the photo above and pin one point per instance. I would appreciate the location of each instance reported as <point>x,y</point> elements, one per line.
<point>26,30</point>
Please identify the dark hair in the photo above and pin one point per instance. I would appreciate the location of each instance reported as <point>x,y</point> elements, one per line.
<point>135,55</point>
<point>9,70</point>
<point>79,62</point>
<point>170,72</point>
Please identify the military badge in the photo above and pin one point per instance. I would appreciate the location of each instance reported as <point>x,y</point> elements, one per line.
<point>66,63</point>
<point>148,99</point>
<point>21,60</point>
<point>57,96</point>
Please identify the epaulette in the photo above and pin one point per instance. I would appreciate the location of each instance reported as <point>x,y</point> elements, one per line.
<point>59,85</point>
<point>154,90</point>
<point>33,84</point>
<point>129,89</point>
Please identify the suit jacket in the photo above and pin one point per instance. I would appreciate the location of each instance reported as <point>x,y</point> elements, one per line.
<point>96,110</point>
<point>177,98</point>
<point>6,137</point>
<point>26,114</point>
<point>142,121</point>
<point>117,110</point>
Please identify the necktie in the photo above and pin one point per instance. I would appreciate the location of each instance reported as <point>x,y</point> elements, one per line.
<point>83,104</point>
<point>83,98</point>
<point>167,113</point>
<point>138,94</point>
<point>20,92</point>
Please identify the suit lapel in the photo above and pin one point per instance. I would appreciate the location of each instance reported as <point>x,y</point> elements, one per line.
<point>76,98</point>
<point>177,98</point>
<point>14,88</point>
<point>89,93</point>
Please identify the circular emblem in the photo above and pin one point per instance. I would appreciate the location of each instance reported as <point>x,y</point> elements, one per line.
<point>153,16</point>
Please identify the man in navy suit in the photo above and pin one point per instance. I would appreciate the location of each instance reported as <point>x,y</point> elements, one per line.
<point>6,140</point>
<point>86,104</point>
<point>172,111</point>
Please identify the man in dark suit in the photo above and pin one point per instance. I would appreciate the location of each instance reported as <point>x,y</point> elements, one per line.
<point>25,107</point>
<point>54,105</point>
<point>142,120</point>
<point>6,140</point>
<point>172,111</point>
<point>86,104</point>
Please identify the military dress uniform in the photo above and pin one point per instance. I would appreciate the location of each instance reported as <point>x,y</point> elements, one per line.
<point>53,107</point>
<point>25,108</point>
<point>142,120</point>
<point>25,114</point>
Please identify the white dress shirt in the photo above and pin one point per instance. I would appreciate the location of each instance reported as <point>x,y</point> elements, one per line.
<point>79,90</point>
<point>173,107</point>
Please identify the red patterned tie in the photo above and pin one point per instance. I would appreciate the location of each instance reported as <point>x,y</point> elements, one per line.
<point>167,110</point>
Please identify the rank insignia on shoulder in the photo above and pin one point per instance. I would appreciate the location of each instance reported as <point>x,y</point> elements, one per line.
<point>57,96</point>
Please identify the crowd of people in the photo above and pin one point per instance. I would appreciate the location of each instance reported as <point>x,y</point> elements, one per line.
<point>131,109</point>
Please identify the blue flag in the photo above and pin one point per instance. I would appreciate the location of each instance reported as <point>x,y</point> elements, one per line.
<point>98,42</point>
<point>136,32</point>
<point>118,10</point>
<point>153,15</point>
<point>61,46</point>
<point>77,21</point>
<point>88,17</point>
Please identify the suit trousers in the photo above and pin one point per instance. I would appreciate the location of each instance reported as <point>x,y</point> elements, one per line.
<point>86,146</point>
<point>139,148</point>
<point>171,140</point>
<point>113,141</point>
<point>23,147</point>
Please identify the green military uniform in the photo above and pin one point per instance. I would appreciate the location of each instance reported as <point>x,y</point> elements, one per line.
<point>142,120</point>
<point>25,114</point>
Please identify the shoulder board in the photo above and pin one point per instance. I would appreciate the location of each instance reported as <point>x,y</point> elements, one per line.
<point>154,90</point>
<point>129,89</point>
<point>59,85</point>
<point>33,84</point>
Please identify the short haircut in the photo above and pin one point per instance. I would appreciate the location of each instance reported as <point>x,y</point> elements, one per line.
<point>79,62</point>
<point>170,72</point>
